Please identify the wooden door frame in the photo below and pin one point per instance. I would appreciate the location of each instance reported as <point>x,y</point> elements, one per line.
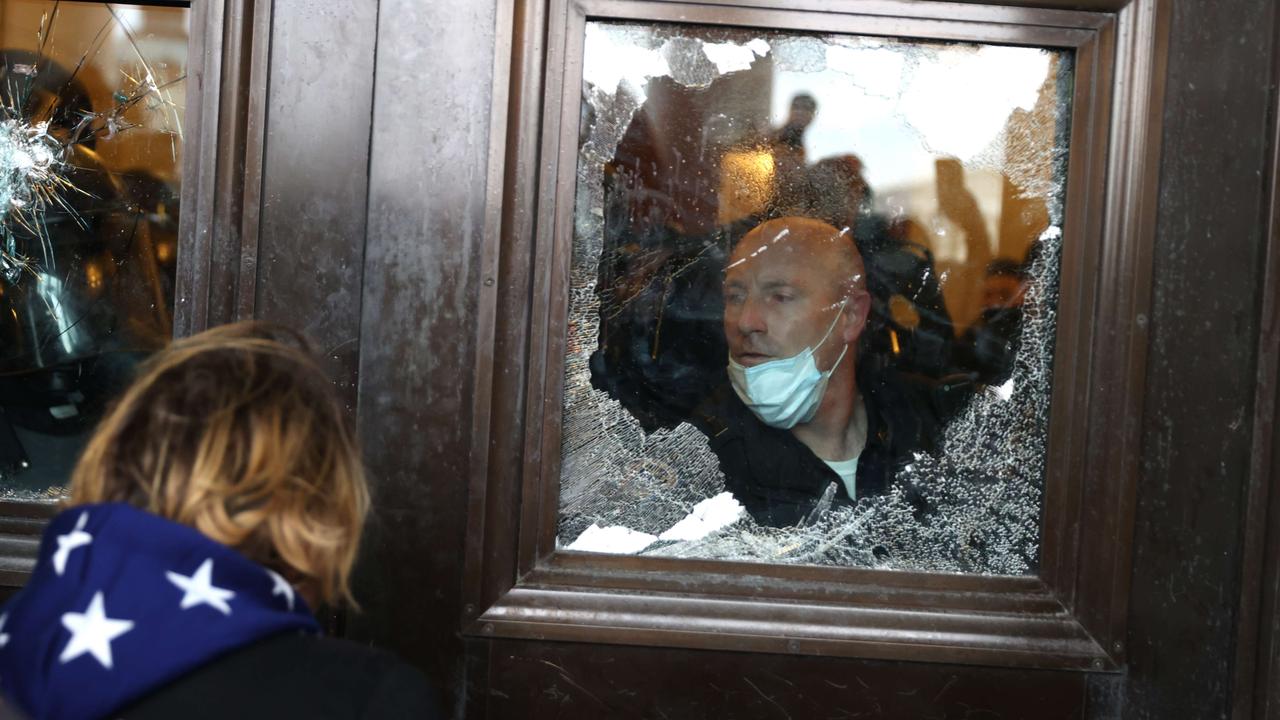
<point>1072,616</point>
<point>1258,628</point>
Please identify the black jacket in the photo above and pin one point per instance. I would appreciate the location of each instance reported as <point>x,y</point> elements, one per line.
<point>294,676</point>
<point>780,481</point>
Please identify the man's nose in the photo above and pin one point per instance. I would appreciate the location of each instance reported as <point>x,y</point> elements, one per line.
<point>750,317</point>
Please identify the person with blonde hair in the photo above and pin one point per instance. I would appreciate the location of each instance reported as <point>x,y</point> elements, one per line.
<point>220,500</point>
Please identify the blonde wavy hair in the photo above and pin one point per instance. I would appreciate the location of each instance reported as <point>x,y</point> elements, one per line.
<point>237,433</point>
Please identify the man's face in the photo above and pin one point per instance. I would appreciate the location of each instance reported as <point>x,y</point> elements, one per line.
<point>800,117</point>
<point>782,293</point>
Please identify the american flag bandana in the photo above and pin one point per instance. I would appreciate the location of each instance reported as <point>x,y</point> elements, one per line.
<point>121,602</point>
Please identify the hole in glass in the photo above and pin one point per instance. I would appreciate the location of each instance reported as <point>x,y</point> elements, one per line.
<point>813,298</point>
<point>91,115</point>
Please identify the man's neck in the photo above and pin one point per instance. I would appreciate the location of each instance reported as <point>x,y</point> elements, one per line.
<point>834,433</point>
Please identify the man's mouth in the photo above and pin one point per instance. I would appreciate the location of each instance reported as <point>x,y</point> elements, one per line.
<point>749,359</point>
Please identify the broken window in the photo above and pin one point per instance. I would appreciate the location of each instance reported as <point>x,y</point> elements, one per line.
<point>91,116</point>
<point>812,298</point>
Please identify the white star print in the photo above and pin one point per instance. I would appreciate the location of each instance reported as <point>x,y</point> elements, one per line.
<point>92,632</point>
<point>72,540</point>
<point>199,589</point>
<point>281,587</point>
<point>4,636</point>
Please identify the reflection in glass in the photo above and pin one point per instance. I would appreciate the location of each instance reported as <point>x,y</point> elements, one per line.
<point>812,298</point>
<point>91,115</point>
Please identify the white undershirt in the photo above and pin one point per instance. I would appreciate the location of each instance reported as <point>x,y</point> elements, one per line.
<point>848,469</point>
<point>848,472</point>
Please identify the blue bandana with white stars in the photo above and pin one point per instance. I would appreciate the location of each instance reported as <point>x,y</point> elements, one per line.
<point>121,602</point>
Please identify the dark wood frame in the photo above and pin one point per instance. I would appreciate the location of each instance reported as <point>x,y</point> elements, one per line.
<point>222,168</point>
<point>1258,634</point>
<point>218,229</point>
<point>1072,616</point>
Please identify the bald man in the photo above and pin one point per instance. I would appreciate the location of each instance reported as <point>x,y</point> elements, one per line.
<point>796,420</point>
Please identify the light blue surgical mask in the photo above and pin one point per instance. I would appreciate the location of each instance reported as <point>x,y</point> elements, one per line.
<point>785,392</point>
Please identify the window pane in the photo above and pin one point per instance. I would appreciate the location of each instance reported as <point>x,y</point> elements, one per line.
<point>90,154</point>
<point>813,298</point>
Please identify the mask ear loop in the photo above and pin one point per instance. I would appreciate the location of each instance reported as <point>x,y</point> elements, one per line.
<point>832,326</point>
<point>843,352</point>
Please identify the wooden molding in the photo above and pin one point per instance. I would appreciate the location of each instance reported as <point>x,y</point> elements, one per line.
<point>1071,617</point>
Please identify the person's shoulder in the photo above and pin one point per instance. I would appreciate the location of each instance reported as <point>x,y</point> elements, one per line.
<point>888,386</point>
<point>295,675</point>
<point>357,662</point>
<point>913,408</point>
<point>392,687</point>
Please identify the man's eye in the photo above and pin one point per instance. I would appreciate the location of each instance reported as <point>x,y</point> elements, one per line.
<point>733,298</point>
<point>782,297</point>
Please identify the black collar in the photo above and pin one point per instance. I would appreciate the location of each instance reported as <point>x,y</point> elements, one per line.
<point>779,479</point>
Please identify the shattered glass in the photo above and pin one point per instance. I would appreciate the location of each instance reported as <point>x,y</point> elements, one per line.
<point>944,165</point>
<point>91,117</point>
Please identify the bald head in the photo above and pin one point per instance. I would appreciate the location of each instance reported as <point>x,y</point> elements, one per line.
<point>817,248</point>
<point>788,281</point>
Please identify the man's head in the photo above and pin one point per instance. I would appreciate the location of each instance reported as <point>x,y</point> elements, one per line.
<point>785,286</point>
<point>803,108</point>
<point>237,432</point>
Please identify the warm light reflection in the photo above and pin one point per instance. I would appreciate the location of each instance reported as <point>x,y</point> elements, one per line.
<point>93,276</point>
<point>164,252</point>
<point>746,183</point>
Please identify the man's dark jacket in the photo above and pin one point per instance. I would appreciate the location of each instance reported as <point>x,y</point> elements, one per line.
<point>781,482</point>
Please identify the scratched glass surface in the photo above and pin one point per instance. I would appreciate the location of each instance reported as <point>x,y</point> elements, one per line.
<point>91,117</point>
<point>943,165</point>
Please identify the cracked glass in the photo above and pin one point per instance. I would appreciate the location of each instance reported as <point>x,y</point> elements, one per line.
<point>812,298</point>
<point>91,142</point>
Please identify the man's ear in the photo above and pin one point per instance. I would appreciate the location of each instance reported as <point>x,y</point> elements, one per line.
<point>859,306</point>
